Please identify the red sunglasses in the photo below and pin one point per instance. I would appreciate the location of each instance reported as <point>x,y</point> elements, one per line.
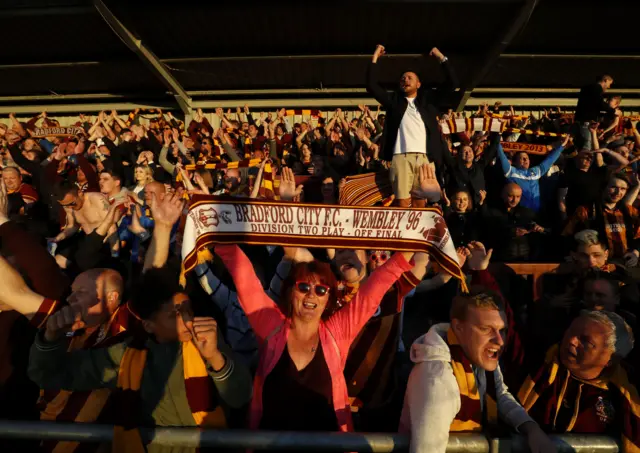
<point>306,287</point>
<point>375,257</point>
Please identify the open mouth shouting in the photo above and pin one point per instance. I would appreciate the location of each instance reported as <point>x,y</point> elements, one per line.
<point>492,353</point>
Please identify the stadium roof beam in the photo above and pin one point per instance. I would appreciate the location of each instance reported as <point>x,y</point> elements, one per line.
<point>146,55</point>
<point>521,18</point>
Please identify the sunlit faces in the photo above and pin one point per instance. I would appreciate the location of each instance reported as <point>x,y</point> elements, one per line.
<point>377,258</point>
<point>109,184</point>
<point>310,298</point>
<point>521,161</point>
<point>232,179</point>
<point>11,177</point>
<point>140,175</point>
<point>512,194</point>
<point>589,256</point>
<point>616,190</point>
<point>305,152</point>
<point>409,83</point>
<point>96,294</point>
<point>466,154</point>
<point>173,322</point>
<point>72,200</point>
<point>481,336</point>
<point>584,350</point>
<point>461,202</point>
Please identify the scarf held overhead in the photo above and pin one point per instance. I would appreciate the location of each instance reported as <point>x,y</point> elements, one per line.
<point>213,220</point>
<point>530,148</point>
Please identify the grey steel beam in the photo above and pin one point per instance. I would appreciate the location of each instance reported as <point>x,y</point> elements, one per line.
<point>499,47</point>
<point>146,55</point>
<point>283,57</point>
<point>269,92</point>
<point>62,97</point>
<point>46,11</point>
<point>82,108</point>
<point>63,64</point>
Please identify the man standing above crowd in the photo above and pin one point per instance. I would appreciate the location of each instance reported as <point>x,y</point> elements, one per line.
<point>591,107</point>
<point>411,134</point>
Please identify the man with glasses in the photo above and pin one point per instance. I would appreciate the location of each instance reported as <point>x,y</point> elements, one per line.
<point>84,210</point>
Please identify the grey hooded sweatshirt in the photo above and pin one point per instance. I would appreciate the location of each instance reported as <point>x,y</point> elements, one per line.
<point>433,397</point>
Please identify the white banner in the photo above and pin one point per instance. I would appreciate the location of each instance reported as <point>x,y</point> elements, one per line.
<point>211,220</point>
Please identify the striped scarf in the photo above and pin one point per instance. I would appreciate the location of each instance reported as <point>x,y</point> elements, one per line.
<point>313,113</point>
<point>547,388</point>
<point>200,390</point>
<point>83,406</point>
<point>237,164</point>
<point>460,125</point>
<point>367,189</point>
<point>470,417</point>
<point>268,186</point>
<point>346,292</point>
<point>507,117</point>
<point>536,133</point>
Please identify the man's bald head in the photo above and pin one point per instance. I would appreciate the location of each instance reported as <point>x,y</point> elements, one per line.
<point>156,188</point>
<point>511,194</point>
<point>98,292</point>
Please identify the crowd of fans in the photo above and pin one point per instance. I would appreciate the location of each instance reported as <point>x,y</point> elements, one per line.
<point>95,327</point>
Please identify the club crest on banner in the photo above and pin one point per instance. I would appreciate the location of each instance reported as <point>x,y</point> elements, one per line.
<point>214,220</point>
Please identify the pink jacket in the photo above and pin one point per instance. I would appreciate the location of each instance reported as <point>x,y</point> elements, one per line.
<point>336,334</point>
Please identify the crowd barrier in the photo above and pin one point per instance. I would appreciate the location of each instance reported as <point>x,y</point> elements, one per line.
<point>314,441</point>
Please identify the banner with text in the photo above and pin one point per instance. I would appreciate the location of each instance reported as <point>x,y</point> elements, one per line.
<point>213,220</point>
<point>530,148</point>
<point>70,131</point>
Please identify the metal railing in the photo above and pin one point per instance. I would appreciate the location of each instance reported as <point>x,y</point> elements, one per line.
<point>280,440</point>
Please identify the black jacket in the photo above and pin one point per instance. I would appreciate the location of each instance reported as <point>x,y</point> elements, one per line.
<point>470,179</point>
<point>591,104</point>
<point>428,104</point>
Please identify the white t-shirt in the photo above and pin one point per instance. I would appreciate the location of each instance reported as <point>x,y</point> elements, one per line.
<point>412,134</point>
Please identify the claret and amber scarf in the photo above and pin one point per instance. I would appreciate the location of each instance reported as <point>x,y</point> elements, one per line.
<point>200,390</point>
<point>471,417</point>
<point>547,386</point>
<point>212,220</point>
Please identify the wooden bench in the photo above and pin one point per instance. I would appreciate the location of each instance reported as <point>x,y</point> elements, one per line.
<point>535,270</point>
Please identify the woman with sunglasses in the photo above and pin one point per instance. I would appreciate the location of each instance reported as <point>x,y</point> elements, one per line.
<point>300,384</point>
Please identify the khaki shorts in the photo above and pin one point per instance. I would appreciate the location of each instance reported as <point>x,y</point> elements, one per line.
<point>405,173</point>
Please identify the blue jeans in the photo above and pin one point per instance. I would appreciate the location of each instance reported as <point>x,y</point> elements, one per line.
<point>582,136</point>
